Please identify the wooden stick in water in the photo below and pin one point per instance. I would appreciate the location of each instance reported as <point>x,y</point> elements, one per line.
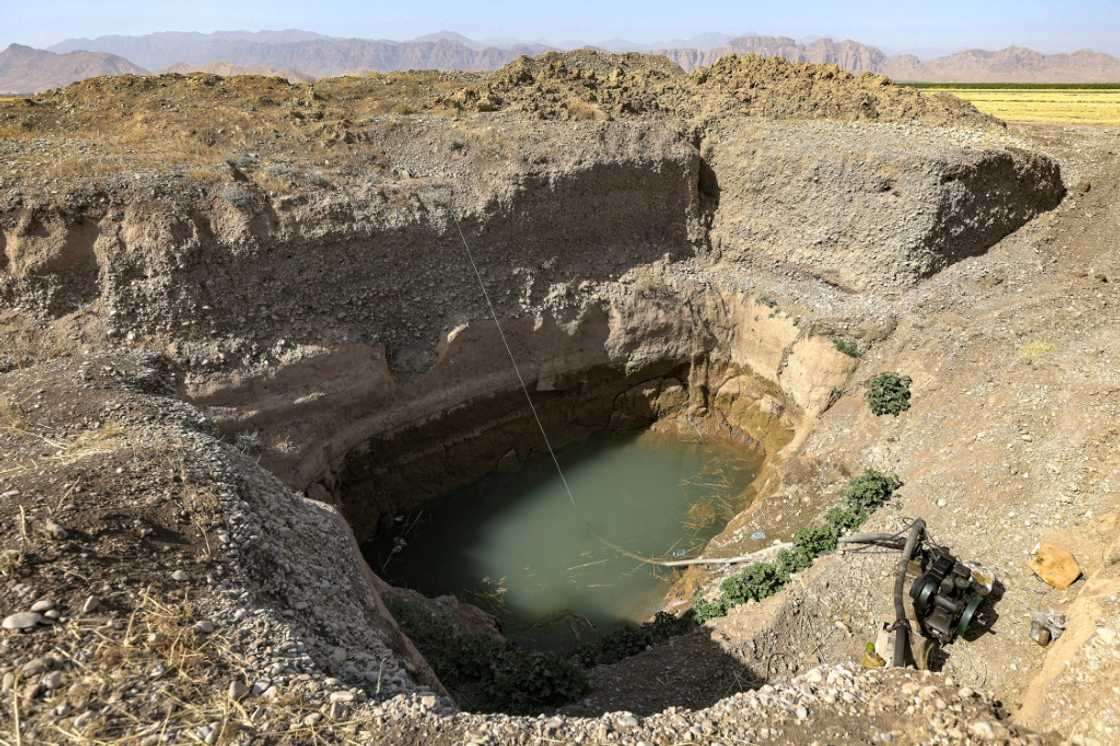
<point>760,556</point>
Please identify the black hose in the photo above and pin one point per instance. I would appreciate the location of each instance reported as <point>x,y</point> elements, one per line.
<point>901,624</point>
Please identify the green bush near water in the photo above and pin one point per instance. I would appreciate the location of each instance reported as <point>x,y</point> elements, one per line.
<point>485,672</point>
<point>627,641</point>
<point>754,583</point>
<point>859,498</point>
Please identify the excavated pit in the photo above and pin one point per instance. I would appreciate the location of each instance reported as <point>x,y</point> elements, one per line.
<point>339,331</point>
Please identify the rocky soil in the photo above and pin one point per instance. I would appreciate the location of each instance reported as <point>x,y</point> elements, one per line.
<point>210,319</point>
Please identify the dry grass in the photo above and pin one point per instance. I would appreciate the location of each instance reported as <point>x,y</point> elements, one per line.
<point>103,440</point>
<point>584,111</point>
<point>52,450</point>
<point>1036,350</point>
<point>186,678</point>
<point>155,676</point>
<point>1067,106</point>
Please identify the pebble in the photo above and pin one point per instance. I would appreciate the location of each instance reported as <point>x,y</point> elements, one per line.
<point>238,689</point>
<point>55,530</point>
<point>204,627</point>
<point>983,730</point>
<point>44,604</point>
<point>626,720</point>
<point>344,697</point>
<point>53,680</point>
<point>90,605</point>
<point>22,620</point>
<point>179,576</point>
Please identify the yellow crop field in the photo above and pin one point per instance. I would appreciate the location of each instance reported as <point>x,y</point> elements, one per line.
<point>1066,106</point>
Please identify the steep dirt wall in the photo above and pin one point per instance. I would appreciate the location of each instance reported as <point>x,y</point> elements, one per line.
<point>867,205</point>
<point>333,323</point>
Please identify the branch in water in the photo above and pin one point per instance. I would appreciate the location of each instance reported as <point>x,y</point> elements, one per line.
<point>760,556</point>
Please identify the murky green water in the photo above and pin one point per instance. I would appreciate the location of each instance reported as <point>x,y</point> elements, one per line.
<point>515,545</point>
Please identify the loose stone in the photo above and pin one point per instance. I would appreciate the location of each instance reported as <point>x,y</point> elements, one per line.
<point>22,620</point>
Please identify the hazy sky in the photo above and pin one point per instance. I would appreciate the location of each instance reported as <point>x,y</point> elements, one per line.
<point>927,26</point>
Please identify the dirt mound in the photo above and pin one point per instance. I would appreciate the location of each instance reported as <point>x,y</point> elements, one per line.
<point>774,88</point>
<point>585,84</point>
<point>593,85</point>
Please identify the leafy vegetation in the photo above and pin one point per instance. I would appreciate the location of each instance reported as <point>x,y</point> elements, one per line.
<point>756,582</point>
<point>627,641</point>
<point>485,672</point>
<point>859,498</point>
<point>848,346</point>
<point>704,609</point>
<point>889,393</point>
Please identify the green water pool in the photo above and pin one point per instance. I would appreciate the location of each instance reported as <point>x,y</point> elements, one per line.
<point>515,545</point>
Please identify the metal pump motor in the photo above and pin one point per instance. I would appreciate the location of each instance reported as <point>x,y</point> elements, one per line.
<point>945,593</point>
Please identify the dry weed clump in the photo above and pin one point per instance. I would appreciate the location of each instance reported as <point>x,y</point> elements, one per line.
<point>155,675</point>
<point>584,111</point>
<point>1036,350</point>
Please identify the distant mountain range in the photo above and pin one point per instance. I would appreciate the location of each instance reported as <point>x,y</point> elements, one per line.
<point>303,52</point>
<point>302,55</point>
<point>1011,65</point>
<point>27,70</point>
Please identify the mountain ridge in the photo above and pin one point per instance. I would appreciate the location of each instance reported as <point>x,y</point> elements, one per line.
<point>299,54</point>
<point>25,69</point>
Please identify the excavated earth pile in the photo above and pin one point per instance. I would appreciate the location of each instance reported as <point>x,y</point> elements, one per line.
<point>237,342</point>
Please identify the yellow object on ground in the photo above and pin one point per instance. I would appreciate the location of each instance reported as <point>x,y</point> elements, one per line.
<point>871,659</point>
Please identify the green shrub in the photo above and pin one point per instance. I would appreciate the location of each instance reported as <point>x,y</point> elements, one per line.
<point>756,582</point>
<point>816,540</point>
<point>626,641</point>
<point>860,496</point>
<point>843,518</point>
<point>525,680</point>
<point>889,393</point>
<point>703,609</point>
<point>792,561</point>
<point>869,490</point>
<point>847,346</point>
<point>509,678</point>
